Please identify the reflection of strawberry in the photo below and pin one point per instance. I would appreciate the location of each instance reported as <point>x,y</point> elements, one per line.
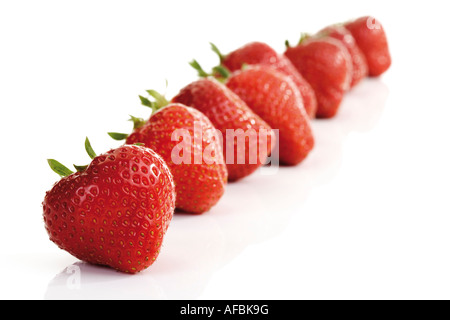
<point>196,162</point>
<point>326,64</point>
<point>227,111</point>
<point>113,212</point>
<point>275,98</point>
<point>261,53</point>
<point>371,39</point>
<point>360,68</point>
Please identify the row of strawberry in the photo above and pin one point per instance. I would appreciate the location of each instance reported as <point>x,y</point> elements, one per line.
<point>116,210</point>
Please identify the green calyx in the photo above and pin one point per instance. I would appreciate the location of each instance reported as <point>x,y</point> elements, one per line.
<point>87,146</point>
<point>156,102</point>
<point>118,136</point>
<point>137,123</point>
<point>287,44</point>
<point>201,73</point>
<point>63,171</point>
<point>159,100</point>
<point>303,37</point>
<point>217,51</point>
<point>219,72</point>
<point>59,168</point>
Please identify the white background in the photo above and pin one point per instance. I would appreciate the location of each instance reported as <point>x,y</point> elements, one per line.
<point>366,216</point>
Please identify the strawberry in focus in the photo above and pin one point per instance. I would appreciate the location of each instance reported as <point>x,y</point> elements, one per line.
<point>259,53</point>
<point>113,212</point>
<point>326,64</point>
<point>198,167</point>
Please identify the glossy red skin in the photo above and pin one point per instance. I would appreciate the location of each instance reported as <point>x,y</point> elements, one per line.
<point>359,62</point>
<point>326,64</point>
<point>200,183</point>
<point>116,212</point>
<point>275,98</point>
<point>371,39</point>
<point>261,53</point>
<point>227,111</point>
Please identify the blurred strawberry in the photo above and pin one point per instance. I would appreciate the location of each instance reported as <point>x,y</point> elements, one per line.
<point>227,111</point>
<point>274,97</point>
<point>260,53</point>
<point>326,64</point>
<point>371,39</point>
<point>360,68</point>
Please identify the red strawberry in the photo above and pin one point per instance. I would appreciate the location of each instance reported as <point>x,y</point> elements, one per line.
<point>200,174</point>
<point>326,64</point>
<point>261,53</point>
<point>371,39</point>
<point>274,97</point>
<point>360,68</point>
<point>113,212</point>
<point>228,112</point>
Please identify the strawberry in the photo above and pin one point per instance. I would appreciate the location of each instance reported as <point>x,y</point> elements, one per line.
<point>359,62</point>
<point>326,64</point>
<point>227,111</point>
<point>200,174</point>
<point>261,53</point>
<point>275,98</point>
<point>371,39</point>
<point>113,212</point>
